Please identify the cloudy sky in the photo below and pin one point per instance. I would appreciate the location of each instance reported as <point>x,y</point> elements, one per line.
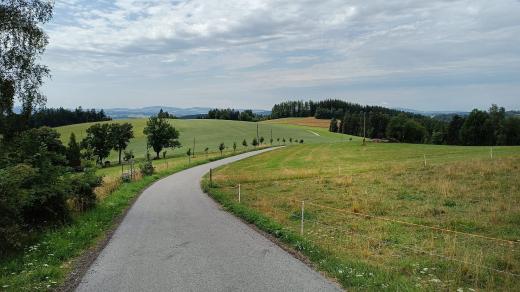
<point>428,55</point>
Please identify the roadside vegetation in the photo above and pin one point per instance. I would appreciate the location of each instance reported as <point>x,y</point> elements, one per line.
<point>47,261</point>
<point>396,216</point>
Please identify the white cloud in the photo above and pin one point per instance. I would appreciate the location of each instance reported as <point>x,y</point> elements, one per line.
<point>273,44</point>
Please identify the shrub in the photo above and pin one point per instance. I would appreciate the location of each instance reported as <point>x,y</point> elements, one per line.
<point>12,201</point>
<point>82,192</point>
<point>126,177</point>
<point>146,168</point>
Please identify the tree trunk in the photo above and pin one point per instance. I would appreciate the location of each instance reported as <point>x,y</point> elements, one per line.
<point>157,156</point>
<point>120,150</point>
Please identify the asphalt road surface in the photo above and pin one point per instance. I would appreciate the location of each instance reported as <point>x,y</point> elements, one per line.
<point>175,238</point>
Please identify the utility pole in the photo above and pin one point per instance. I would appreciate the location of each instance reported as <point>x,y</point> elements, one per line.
<point>193,147</point>
<point>257,137</point>
<point>364,128</point>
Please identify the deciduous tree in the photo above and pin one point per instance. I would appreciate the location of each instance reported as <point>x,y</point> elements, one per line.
<point>99,141</point>
<point>160,134</point>
<point>121,135</point>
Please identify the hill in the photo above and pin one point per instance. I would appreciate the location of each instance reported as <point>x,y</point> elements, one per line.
<point>125,113</point>
<point>210,133</point>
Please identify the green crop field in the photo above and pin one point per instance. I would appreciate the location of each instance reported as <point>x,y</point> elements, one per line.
<point>394,216</point>
<point>210,133</point>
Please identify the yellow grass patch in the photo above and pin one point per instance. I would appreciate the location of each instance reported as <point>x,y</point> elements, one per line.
<point>309,122</point>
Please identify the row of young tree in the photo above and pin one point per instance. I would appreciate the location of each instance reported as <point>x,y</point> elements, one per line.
<point>235,115</point>
<point>102,138</point>
<point>55,117</point>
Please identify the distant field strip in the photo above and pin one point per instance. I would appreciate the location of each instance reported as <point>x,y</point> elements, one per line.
<point>447,222</point>
<point>309,122</point>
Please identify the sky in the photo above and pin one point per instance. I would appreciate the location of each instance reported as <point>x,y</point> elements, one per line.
<point>425,55</point>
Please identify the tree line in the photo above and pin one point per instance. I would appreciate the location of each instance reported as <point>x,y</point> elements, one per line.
<point>355,119</point>
<point>484,128</point>
<point>492,127</point>
<point>325,109</point>
<point>55,117</point>
<point>489,128</point>
<point>235,115</point>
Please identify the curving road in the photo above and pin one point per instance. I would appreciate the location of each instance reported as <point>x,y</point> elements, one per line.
<point>175,238</point>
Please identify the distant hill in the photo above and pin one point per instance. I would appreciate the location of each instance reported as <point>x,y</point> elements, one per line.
<point>432,113</point>
<point>447,115</point>
<point>192,112</point>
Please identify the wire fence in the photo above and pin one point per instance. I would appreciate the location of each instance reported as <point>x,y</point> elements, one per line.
<point>464,250</point>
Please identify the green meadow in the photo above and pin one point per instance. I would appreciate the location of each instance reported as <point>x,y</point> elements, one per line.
<point>210,133</point>
<point>389,216</point>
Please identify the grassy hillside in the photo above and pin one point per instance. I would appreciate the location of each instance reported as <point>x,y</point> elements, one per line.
<point>309,122</point>
<point>210,133</point>
<point>385,215</point>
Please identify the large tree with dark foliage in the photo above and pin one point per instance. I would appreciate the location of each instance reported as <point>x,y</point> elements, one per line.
<point>453,133</point>
<point>477,129</point>
<point>99,141</point>
<point>121,135</point>
<point>510,132</point>
<point>160,134</point>
<point>406,130</point>
<point>22,41</point>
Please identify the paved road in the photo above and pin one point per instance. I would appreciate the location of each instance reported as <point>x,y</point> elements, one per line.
<point>175,238</point>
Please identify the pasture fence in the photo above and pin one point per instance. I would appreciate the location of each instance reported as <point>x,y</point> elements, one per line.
<point>286,210</point>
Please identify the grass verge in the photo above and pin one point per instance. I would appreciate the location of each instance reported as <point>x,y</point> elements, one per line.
<point>349,273</point>
<point>47,263</point>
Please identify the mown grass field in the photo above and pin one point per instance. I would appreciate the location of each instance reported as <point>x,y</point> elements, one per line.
<point>388,219</point>
<point>308,121</point>
<point>210,133</point>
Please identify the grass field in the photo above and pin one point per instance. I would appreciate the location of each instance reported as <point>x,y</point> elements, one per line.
<point>308,122</point>
<point>210,133</point>
<point>448,224</point>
